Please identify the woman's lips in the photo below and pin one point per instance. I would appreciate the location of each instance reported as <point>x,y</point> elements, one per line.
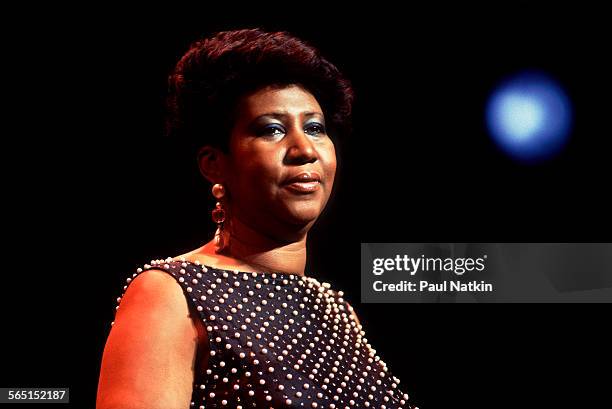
<point>304,182</point>
<point>303,187</point>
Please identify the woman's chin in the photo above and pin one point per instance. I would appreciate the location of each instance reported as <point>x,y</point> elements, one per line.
<point>302,214</point>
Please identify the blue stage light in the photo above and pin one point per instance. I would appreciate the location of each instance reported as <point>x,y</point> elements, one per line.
<point>529,117</point>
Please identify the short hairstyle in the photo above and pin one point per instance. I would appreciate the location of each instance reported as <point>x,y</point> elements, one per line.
<point>214,73</point>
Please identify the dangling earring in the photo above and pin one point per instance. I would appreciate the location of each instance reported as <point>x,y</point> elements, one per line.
<point>218,216</point>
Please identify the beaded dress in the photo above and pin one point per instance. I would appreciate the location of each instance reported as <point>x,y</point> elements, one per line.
<point>279,340</point>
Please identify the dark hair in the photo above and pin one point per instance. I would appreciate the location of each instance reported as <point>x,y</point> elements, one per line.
<point>208,80</point>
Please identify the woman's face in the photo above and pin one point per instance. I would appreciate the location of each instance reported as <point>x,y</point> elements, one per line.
<point>281,163</point>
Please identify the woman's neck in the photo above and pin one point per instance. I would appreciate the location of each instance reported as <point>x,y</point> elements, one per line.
<point>250,250</point>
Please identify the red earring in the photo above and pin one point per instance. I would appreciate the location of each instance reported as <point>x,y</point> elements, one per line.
<point>218,216</point>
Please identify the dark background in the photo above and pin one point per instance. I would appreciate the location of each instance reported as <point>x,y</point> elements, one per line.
<point>93,190</point>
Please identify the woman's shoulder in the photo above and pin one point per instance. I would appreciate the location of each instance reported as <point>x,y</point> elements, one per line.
<point>153,315</point>
<point>157,296</point>
<point>160,288</point>
<point>152,288</point>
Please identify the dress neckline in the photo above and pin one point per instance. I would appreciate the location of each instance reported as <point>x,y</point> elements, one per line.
<point>233,271</point>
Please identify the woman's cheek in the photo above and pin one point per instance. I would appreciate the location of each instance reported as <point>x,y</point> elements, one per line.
<point>264,179</point>
<point>331,164</point>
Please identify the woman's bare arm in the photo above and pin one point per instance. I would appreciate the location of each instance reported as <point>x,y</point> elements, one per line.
<point>150,354</point>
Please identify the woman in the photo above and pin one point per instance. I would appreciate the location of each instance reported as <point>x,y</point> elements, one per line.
<point>245,327</point>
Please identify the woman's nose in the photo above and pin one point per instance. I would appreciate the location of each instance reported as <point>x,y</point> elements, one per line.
<point>301,148</point>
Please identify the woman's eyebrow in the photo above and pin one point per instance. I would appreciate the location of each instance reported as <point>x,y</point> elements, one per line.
<point>284,114</point>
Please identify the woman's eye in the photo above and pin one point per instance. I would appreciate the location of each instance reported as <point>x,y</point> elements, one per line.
<point>314,129</point>
<point>272,130</point>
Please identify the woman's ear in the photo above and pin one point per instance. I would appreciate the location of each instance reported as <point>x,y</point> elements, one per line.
<point>211,162</point>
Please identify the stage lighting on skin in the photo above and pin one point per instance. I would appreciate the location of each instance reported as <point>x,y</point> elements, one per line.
<point>529,117</point>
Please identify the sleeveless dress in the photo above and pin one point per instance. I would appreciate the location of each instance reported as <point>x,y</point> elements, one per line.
<point>279,340</point>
